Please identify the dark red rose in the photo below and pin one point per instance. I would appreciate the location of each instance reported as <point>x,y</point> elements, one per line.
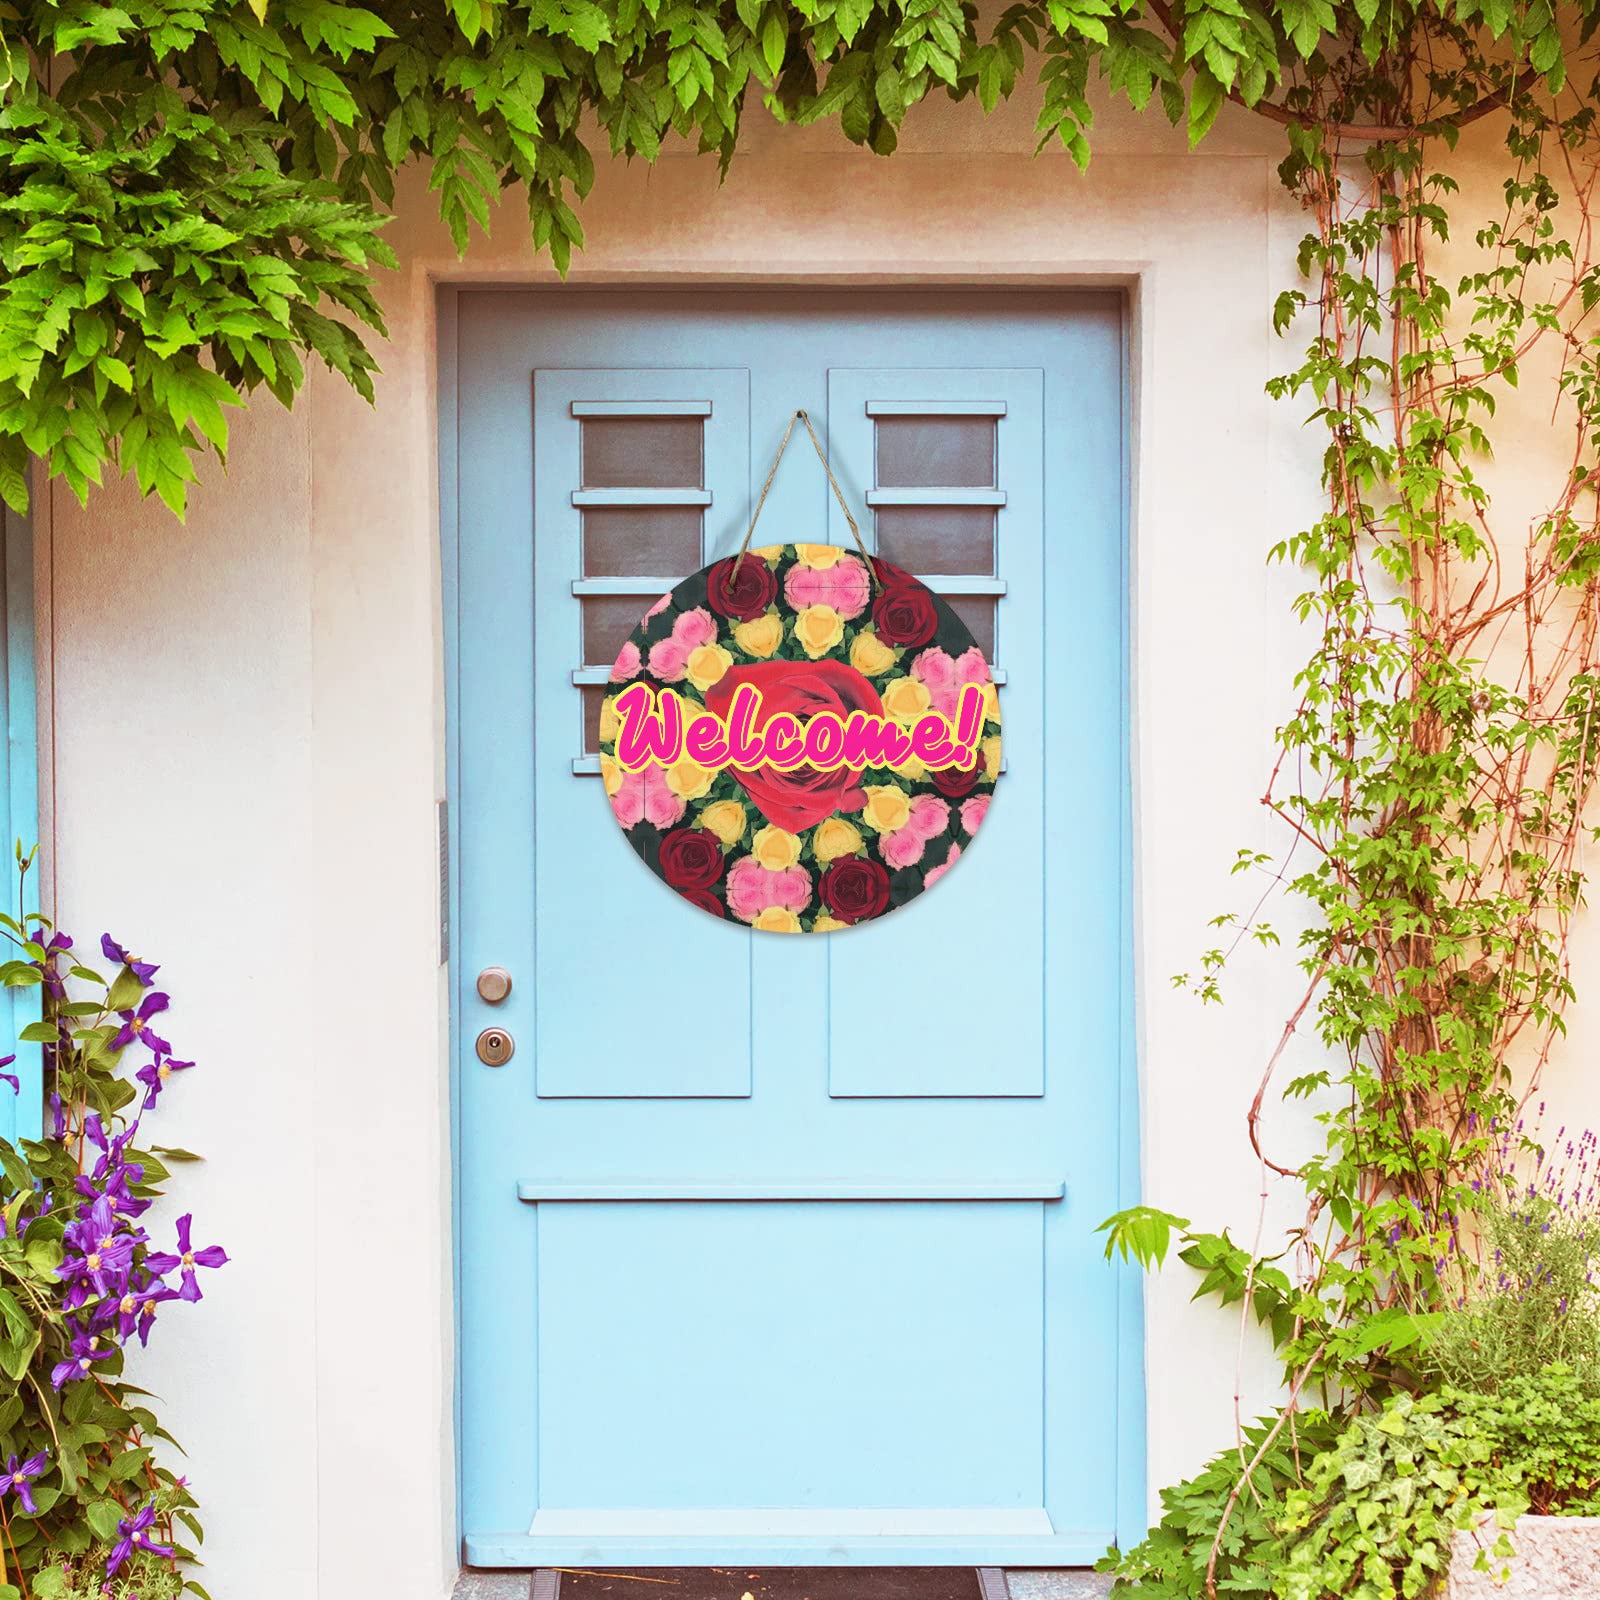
<point>744,594</point>
<point>956,783</point>
<point>705,900</point>
<point>797,800</point>
<point>903,613</point>
<point>854,888</point>
<point>691,858</point>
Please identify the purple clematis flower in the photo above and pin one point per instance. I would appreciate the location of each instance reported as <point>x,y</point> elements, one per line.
<point>10,1077</point>
<point>98,1255</point>
<point>58,1114</point>
<point>188,1258</point>
<point>16,1479</point>
<point>136,1025</point>
<point>144,971</point>
<point>136,1310</point>
<point>134,1534</point>
<point>85,1350</point>
<point>154,1077</point>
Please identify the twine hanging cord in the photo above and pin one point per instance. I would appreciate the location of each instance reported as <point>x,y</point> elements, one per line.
<point>838,494</point>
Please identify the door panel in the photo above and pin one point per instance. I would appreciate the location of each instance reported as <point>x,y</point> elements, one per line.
<point>958,444</point>
<point>627,465</point>
<point>841,1346</point>
<point>782,1250</point>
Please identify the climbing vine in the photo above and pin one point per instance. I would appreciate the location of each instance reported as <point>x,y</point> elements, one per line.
<point>1434,781</point>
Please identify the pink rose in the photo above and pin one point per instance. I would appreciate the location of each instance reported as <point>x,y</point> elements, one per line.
<point>971,667</point>
<point>902,848</point>
<point>929,817</point>
<point>669,660</point>
<point>934,669</point>
<point>751,888</point>
<point>973,811</point>
<point>646,795</point>
<point>660,606</point>
<point>845,586</point>
<point>662,808</point>
<point>628,801</point>
<point>945,679</point>
<point>695,628</point>
<point>934,874</point>
<point>627,663</point>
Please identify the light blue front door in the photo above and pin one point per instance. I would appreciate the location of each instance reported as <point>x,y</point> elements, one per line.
<point>781,1250</point>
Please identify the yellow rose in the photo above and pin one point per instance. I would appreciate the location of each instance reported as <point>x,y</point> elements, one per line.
<point>769,552</point>
<point>888,807</point>
<point>707,665</point>
<point>726,819</point>
<point>775,849</point>
<point>913,769</point>
<point>991,756</point>
<point>610,774</point>
<point>820,556</point>
<point>776,919</point>
<point>991,703</point>
<point>870,655</point>
<point>905,699</point>
<point>819,629</point>
<point>760,636</point>
<point>688,779</point>
<point>608,719</point>
<point>827,925</point>
<point>834,838</point>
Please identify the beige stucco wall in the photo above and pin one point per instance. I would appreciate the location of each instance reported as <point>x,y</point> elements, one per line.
<point>248,736</point>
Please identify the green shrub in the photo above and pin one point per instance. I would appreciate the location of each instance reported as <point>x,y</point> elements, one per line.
<point>1171,1560</point>
<point>1533,1301</point>
<point>1367,1511</point>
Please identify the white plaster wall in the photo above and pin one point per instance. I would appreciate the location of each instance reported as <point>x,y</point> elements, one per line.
<point>248,717</point>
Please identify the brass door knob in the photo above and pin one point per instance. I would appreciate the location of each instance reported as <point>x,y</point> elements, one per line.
<point>494,984</point>
<point>495,1046</point>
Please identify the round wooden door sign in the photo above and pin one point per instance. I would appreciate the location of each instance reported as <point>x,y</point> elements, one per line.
<point>800,741</point>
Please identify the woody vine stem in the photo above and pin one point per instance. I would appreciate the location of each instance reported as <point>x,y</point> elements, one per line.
<point>1434,779</point>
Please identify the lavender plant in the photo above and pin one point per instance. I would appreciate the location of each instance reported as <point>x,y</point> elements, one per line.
<point>87,1509</point>
<point>1528,1297</point>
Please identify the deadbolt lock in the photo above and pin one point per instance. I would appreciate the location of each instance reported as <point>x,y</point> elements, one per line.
<point>495,1046</point>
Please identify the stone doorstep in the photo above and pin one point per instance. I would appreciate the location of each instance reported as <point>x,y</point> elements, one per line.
<point>1557,1558</point>
<point>1019,1584</point>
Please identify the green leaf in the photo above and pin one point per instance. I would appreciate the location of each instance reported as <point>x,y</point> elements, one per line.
<point>1205,101</point>
<point>126,991</point>
<point>103,1517</point>
<point>1141,1233</point>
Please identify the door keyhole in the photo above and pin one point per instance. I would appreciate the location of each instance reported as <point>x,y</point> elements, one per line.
<point>495,1046</point>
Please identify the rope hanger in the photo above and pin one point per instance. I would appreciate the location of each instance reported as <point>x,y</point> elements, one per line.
<point>838,494</point>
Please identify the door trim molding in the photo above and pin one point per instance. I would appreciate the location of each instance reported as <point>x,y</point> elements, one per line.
<point>1067,1548</point>
<point>802,1189</point>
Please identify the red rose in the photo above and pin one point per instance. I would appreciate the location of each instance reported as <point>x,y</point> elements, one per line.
<point>691,858</point>
<point>743,594</point>
<point>799,799</point>
<point>956,783</point>
<point>705,900</point>
<point>854,888</point>
<point>903,613</point>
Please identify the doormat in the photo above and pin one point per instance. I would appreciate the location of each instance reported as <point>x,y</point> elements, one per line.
<point>774,1583</point>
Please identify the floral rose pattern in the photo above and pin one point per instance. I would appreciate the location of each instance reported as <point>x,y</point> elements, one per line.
<point>814,630</point>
